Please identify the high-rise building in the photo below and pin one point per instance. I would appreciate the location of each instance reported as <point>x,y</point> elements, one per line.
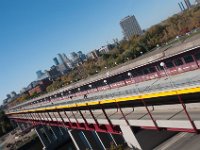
<point>39,73</point>
<point>198,1</point>
<point>81,55</point>
<point>188,4</point>
<point>56,61</point>
<point>13,94</point>
<point>74,56</point>
<point>67,61</point>
<point>130,27</point>
<point>60,59</point>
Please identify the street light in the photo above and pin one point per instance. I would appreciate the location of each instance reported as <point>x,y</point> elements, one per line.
<point>105,81</point>
<point>162,64</point>
<point>133,81</point>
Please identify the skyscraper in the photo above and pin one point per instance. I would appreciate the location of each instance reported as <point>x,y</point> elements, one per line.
<point>74,56</point>
<point>188,4</point>
<point>56,61</point>
<point>67,61</point>
<point>39,74</point>
<point>130,27</point>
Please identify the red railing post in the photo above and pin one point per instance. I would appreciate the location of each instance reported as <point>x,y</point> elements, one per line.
<point>86,123</point>
<point>95,120</point>
<point>77,123</point>
<point>50,117</point>
<point>55,117</point>
<point>107,118</point>
<point>32,119</point>
<point>118,107</point>
<point>64,125</point>
<point>151,116</point>
<point>70,123</point>
<point>40,119</point>
<point>187,114</point>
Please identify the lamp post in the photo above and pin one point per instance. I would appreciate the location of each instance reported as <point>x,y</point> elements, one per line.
<point>133,81</point>
<point>162,64</point>
<point>106,82</point>
<point>62,95</point>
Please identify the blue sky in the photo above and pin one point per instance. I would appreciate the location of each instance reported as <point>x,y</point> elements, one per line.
<point>32,32</point>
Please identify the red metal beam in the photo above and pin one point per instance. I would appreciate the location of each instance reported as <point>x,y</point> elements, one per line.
<point>151,116</point>
<point>187,114</point>
<point>118,107</point>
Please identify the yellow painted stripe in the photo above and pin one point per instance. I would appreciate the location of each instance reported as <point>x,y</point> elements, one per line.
<point>122,99</point>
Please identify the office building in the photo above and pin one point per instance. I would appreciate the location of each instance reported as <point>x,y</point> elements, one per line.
<point>188,4</point>
<point>55,61</point>
<point>74,56</point>
<point>130,27</point>
<point>81,55</point>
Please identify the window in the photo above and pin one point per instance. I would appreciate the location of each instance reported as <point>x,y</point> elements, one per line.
<point>188,59</point>
<point>146,71</point>
<point>197,56</point>
<point>159,67</point>
<point>152,69</point>
<point>139,72</point>
<point>169,64</point>
<point>178,62</point>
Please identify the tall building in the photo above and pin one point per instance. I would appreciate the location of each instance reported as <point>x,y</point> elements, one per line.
<point>39,74</point>
<point>63,65</point>
<point>81,55</point>
<point>60,59</point>
<point>188,4</point>
<point>198,1</point>
<point>67,61</point>
<point>130,27</point>
<point>74,56</point>
<point>56,61</point>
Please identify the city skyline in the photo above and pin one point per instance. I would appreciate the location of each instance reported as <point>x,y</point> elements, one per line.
<point>33,34</point>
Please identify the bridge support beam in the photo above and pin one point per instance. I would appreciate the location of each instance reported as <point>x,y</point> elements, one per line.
<point>130,137</point>
<point>94,140</point>
<point>51,137</point>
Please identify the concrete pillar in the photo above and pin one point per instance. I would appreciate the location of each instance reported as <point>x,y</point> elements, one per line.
<point>43,138</point>
<point>73,140</point>
<point>87,140</point>
<point>52,137</point>
<point>130,137</point>
<point>107,139</point>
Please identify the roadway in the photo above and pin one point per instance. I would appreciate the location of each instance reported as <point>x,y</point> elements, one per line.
<point>183,141</point>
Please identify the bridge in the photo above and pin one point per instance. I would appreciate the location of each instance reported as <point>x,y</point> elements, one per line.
<point>106,110</point>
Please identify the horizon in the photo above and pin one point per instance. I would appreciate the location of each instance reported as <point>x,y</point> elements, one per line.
<point>34,33</point>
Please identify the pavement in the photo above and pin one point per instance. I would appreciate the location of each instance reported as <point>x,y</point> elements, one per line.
<point>181,141</point>
<point>187,79</point>
<point>14,140</point>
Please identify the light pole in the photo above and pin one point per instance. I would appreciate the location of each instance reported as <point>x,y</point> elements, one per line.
<point>133,81</point>
<point>162,64</point>
<point>106,82</point>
